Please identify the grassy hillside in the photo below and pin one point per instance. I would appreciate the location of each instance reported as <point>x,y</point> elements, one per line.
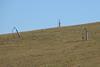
<point>56,47</point>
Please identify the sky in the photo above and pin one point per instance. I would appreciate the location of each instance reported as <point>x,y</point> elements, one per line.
<point>29,15</point>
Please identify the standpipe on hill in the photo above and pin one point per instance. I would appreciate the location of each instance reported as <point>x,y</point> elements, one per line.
<point>85,34</point>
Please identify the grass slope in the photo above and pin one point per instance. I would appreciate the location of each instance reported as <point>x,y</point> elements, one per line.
<point>56,47</point>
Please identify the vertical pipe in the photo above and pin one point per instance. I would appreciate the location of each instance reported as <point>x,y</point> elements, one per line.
<point>59,23</point>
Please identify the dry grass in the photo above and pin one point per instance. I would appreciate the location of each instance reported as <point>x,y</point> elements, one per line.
<point>59,47</point>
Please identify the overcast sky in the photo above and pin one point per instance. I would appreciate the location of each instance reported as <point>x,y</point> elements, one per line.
<point>39,14</point>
